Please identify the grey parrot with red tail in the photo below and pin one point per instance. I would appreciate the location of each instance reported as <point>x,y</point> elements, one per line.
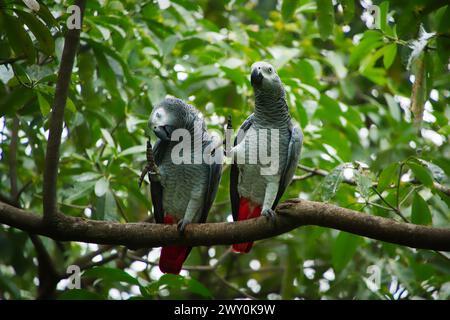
<point>254,192</point>
<point>186,190</point>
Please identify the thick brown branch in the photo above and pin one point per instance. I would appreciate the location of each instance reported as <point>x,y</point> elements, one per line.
<point>292,214</point>
<point>57,117</point>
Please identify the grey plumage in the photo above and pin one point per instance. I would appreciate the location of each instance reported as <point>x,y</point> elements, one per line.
<point>187,189</point>
<point>271,112</point>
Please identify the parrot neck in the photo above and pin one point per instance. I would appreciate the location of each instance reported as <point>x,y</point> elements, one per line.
<point>270,110</point>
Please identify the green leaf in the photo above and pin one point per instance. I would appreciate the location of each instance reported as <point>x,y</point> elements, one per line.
<point>15,100</point>
<point>70,105</point>
<point>288,8</point>
<point>79,190</point>
<point>106,73</point>
<point>101,186</point>
<point>177,282</point>
<point>443,43</point>
<point>156,90</point>
<point>87,176</point>
<point>43,104</point>
<point>388,176</point>
<point>348,7</point>
<point>18,38</point>
<point>46,15</point>
<point>336,61</point>
<point>389,55</point>
<point>105,207</point>
<point>421,173</point>
<point>344,248</point>
<point>108,138</point>
<point>111,275</point>
<point>325,18</point>
<point>377,75</point>
<point>133,150</point>
<point>363,183</point>
<point>40,31</point>
<point>384,10</point>
<point>234,75</point>
<point>394,108</point>
<point>332,181</point>
<point>196,287</point>
<point>371,40</point>
<point>79,294</point>
<point>420,212</point>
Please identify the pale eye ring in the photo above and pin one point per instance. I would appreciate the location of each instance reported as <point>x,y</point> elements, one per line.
<point>269,70</point>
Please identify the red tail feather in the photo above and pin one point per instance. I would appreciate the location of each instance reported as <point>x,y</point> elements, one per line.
<point>172,257</point>
<point>246,211</point>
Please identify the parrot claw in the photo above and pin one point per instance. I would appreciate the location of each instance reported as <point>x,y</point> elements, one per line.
<point>182,225</point>
<point>269,213</point>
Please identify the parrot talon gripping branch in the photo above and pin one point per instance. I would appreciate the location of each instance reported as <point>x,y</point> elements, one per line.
<point>150,167</point>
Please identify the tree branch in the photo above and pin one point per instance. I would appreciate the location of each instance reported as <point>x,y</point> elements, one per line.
<point>47,273</point>
<point>11,60</point>
<point>57,117</point>
<point>292,214</point>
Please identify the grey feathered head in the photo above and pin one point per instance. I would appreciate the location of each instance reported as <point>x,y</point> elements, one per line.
<point>265,80</point>
<point>171,114</point>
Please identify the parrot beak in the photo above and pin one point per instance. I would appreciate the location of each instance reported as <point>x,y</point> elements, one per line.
<point>256,77</point>
<point>163,132</point>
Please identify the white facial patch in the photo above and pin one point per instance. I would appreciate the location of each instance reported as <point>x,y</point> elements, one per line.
<point>264,67</point>
<point>159,117</point>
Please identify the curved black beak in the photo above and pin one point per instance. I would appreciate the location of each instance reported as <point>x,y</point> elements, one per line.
<point>256,77</point>
<point>164,132</point>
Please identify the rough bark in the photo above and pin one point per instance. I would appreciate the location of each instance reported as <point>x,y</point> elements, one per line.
<point>291,214</point>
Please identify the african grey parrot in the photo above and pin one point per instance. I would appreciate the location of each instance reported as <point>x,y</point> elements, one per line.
<point>186,190</point>
<point>253,193</point>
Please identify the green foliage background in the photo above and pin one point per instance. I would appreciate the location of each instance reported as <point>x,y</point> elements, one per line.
<point>351,87</point>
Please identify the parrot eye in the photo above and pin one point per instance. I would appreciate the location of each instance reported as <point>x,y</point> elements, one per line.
<point>269,70</point>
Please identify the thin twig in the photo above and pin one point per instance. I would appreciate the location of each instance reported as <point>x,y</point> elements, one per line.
<point>304,177</point>
<point>379,206</point>
<point>12,60</point>
<point>398,212</point>
<point>22,189</point>
<point>68,205</point>
<point>233,287</point>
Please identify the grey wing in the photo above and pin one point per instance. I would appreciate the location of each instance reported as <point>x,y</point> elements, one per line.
<point>156,189</point>
<point>234,171</point>
<point>294,150</point>
<point>215,172</point>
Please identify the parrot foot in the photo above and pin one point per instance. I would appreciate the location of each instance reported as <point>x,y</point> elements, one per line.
<point>268,213</point>
<point>181,225</point>
<point>150,168</point>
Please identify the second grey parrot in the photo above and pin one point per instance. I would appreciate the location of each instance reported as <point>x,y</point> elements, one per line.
<point>186,190</point>
<point>253,193</point>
